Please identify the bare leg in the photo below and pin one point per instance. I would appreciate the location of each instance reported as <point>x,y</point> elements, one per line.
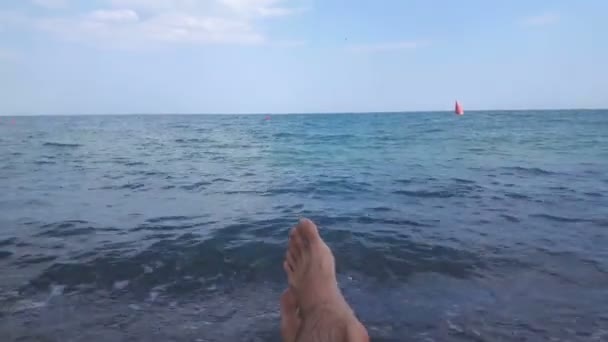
<point>324,315</point>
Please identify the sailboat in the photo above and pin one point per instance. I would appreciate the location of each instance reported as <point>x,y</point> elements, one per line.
<point>458,109</point>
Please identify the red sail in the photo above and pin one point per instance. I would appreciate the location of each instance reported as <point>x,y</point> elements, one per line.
<point>458,109</point>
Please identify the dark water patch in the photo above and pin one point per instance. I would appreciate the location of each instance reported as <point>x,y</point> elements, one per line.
<point>169,263</point>
<point>245,229</point>
<point>44,162</point>
<point>67,232</point>
<point>387,221</point>
<point>180,125</point>
<point>63,224</point>
<point>72,228</point>
<point>147,173</point>
<point>221,180</point>
<point>5,254</point>
<point>134,163</point>
<point>443,190</point>
<point>398,259</point>
<point>332,137</point>
<point>27,260</point>
<point>244,192</point>
<point>601,222</point>
<point>380,209</point>
<point>341,185</point>
<point>56,144</point>
<point>510,218</point>
<point>127,186</point>
<point>425,193</point>
<point>530,171</point>
<point>463,181</point>
<point>196,186</point>
<point>167,226</point>
<point>194,141</point>
<point>593,194</point>
<point>562,219</point>
<point>285,135</point>
<point>516,195</point>
<point>160,236</point>
<point>172,218</point>
<point>221,261</point>
<point>8,242</point>
<point>561,188</point>
<point>322,187</point>
<point>433,130</point>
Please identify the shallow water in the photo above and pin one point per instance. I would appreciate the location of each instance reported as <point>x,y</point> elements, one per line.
<point>491,226</point>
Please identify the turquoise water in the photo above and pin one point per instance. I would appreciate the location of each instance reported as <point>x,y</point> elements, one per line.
<point>490,226</point>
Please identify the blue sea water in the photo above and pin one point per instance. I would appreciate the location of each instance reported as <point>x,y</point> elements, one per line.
<point>488,227</point>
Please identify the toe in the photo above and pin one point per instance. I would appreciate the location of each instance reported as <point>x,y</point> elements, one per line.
<point>296,245</point>
<point>291,260</point>
<point>288,302</point>
<point>289,272</point>
<point>307,230</point>
<point>290,322</point>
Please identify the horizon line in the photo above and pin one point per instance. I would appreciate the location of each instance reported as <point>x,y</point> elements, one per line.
<point>307,113</point>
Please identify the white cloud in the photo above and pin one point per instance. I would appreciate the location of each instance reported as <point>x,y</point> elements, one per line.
<point>386,47</point>
<point>544,19</point>
<point>142,23</point>
<point>162,5</point>
<point>261,8</point>
<point>124,29</point>
<point>114,15</point>
<point>51,3</point>
<point>197,29</point>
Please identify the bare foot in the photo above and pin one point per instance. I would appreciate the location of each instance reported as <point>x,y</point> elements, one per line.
<point>310,268</point>
<point>290,321</point>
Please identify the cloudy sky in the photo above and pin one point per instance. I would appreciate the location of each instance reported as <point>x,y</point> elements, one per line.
<point>242,56</point>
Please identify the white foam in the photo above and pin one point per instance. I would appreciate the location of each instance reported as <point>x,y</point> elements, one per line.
<point>26,304</point>
<point>119,285</point>
<point>56,290</point>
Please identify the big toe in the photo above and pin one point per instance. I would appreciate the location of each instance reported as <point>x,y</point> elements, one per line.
<point>290,321</point>
<point>308,230</point>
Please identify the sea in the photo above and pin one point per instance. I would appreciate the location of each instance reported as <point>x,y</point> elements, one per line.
<point>492,226</point>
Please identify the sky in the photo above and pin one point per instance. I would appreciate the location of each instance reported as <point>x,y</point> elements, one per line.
<point>299,56</point>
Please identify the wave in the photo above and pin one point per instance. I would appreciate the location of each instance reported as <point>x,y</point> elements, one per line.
<point>184,263</point>
<point>510,218</point>
<point>561,218</point>
<point>173,218</point>
<point>8,242</point>
<point>225,180</point>
<point>44,162</point>
<point>194,141</point>
<point>128,186</point>
<point>5,254</point>
<point>196,186</point>
<point>534,171</point>
<point>426,193</point>
<point>56,144</point>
